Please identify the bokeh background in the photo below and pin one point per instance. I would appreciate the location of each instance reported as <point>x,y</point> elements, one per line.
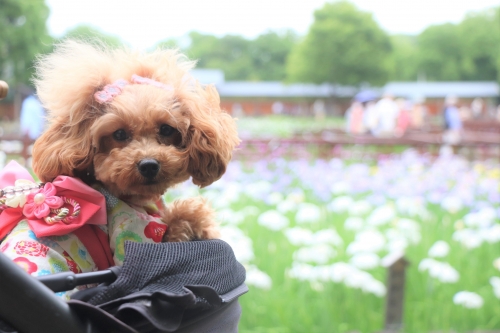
<point>365,195</point>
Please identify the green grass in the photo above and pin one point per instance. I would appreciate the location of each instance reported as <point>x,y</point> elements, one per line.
<point>284,126</point>
<point>294,306</point>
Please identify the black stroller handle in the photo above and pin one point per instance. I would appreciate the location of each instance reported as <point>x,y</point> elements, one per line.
<point>68,280</point>
<point>30,306</point>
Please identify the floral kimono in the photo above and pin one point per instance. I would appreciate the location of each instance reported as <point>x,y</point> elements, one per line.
<point>66,225</point>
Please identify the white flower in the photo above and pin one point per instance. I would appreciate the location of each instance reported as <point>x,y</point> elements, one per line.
<point>488,215</point>
<point>361,207</point>
<point>229,216</point>
<point>299,236</point>
<point>452,204</point>
<point>495,283</point>
<point>496,263</point>
<point>239,242</point>
<point>257,278</point>
<point>320,254</point>
<point>273,220</point>
<point>250,210</point>
<point>327,236</point>
<point>469,238</point>
<point>468,299</point>
<point>353,223</point>
<point>365,260</point>
<point>411,206</point>
<point>301,271</point>
<point>439,249</point>
<point>366,282</point>
<point>259,189</point>
<point>307,213</point>
<point>375,287</point>
<point>480,219</point>
<point>367,241</point>
<point>381,215</point>
<point>286,206</point>
<point>340,187</point>
<point>274,198</point>
<point>340,270</point>
<point>410,229</point>
<point>442,271</point>
<point>340,204</point>
<point>297,196</point>
<point>491,235</point>
<point>397,244</point>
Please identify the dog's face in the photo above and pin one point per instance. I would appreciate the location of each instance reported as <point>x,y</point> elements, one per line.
<point>140,142</point>
<point>144,140</point>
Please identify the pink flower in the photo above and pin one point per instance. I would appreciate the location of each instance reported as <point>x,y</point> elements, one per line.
<point>39,204</point>
<point>25,264</point>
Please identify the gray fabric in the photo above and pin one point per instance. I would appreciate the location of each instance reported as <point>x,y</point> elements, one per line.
<point>171,266</point>
<point>171,287</point>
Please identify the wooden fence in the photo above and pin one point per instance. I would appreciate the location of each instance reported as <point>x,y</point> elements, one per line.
<point>476,143</point>
<point>336,143</point>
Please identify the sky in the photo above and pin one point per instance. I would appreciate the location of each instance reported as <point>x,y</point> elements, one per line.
<point>142,23</point>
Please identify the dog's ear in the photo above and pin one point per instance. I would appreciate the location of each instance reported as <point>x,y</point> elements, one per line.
<point>211,137</point>
<point>63,150</point>
<point>66,82</point>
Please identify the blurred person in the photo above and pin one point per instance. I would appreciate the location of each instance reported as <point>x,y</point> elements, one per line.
<point>32,118</point>
<point>452,121</point>
<point>387,113</point>
<point>418,113</point>
<point>476,107</point>
<point>319,109</point>
<point>404,118</point>
<point>278,107</point>
<point>370,117</point>
<point>237,110</point>
<point>354,118</point>
<point>465,113</point>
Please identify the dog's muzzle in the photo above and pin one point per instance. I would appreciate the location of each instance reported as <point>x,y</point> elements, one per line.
<point>148,168</point>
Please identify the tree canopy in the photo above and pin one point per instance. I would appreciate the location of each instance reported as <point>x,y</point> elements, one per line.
<point>24,35</point>
<point>259,59</point>
<point>466,51</point>
<point>344,45</point>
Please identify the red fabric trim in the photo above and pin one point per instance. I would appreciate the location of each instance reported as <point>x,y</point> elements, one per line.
<point>97,243</point>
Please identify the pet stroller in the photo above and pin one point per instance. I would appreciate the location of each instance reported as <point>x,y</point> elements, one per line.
<point>165,287</point>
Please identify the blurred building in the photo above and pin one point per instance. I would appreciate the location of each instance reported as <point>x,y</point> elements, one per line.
<point>261,98</point>
<point>434,93</point>
<point>264,98</point>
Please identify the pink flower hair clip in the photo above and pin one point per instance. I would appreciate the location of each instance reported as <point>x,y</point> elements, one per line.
<point>109,91</point>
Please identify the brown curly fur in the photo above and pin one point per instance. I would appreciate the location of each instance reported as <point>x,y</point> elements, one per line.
<point>79,140</point>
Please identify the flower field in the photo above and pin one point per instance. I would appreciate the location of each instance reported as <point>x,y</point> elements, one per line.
<point>316,236</point>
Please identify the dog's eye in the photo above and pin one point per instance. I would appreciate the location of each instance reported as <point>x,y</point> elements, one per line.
<point>120,135</point>
<point>166,130</point>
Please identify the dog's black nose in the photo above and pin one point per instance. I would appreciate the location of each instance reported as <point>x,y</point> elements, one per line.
<point>149,168</point>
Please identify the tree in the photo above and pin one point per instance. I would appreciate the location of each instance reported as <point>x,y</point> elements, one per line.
<point>92,34</point>
<point>229,53</point>
<point>480,45</point>
<point>269,53</point>
<point>24,35</point>
<point>440,53</point>
<point>344,45</point>
<point>403,64</point>
<point>260,59</point>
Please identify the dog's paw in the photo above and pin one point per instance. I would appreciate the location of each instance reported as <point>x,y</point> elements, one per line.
<point>189,219</point>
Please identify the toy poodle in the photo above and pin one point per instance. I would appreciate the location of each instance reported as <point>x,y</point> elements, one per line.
<point>129,125</point>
